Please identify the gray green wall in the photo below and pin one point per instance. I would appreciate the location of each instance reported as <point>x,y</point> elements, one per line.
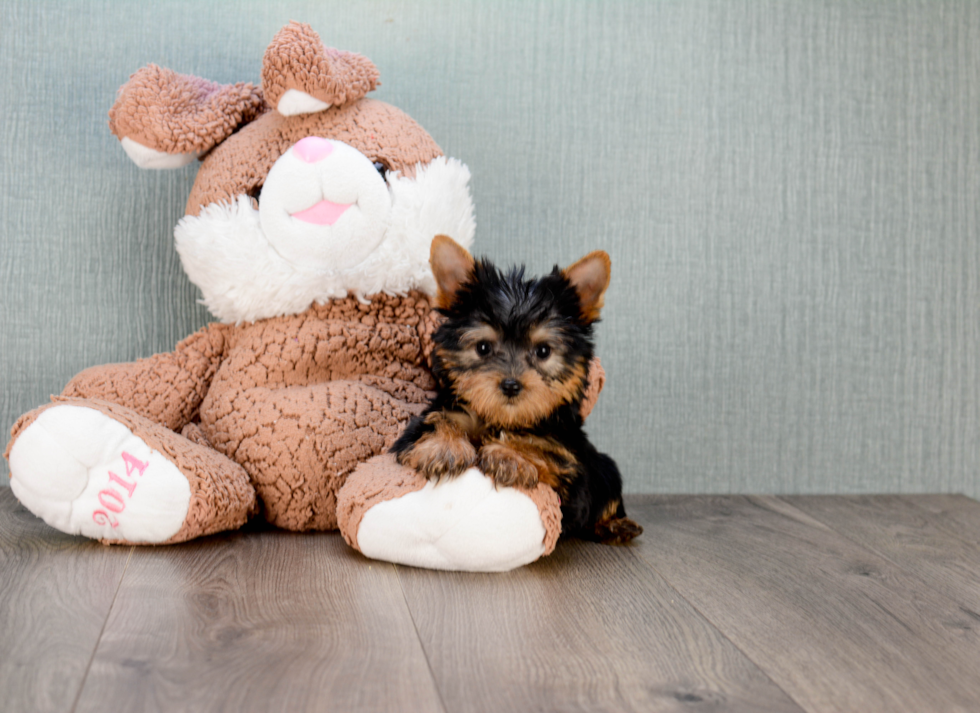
<point>790,192</point>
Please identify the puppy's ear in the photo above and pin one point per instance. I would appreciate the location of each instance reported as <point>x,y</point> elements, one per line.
<point>451,265</point>
<point>590,278</point>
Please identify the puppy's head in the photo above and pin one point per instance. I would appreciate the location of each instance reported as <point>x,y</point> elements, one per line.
<point>515,349</point>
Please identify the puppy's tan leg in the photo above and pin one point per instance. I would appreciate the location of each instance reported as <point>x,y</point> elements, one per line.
<point>445,451</point>
<point>508,466</point>
<point>525,461</point>
<point>616,530</point>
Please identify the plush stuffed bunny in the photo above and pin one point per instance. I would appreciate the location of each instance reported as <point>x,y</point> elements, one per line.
<point>307,230</point>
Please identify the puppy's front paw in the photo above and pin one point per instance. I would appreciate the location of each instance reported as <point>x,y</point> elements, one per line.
<point>617,531</point>
<point>436,456</point>
<point>507,467</point>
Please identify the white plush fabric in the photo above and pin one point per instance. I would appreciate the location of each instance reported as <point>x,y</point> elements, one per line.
<point>145,157</point>
<point>294,102</point>
<point>61,469</point>
<point>460,524</point>
<point>226,253</point>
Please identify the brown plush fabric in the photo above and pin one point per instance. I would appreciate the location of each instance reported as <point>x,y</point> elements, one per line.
<point>297,59</point>
<point>376,481</point>
<point>180,113</point>
<point>166,388</point>
<point>597,379</point>
<point>193,433</point>
<point>300,401</point>
<point>380,131</point>
<point>549,505</point>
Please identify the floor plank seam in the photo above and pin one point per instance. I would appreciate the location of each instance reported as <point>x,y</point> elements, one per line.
<point>418,637</point>
<point>714,626</point>
<point>98,639</point>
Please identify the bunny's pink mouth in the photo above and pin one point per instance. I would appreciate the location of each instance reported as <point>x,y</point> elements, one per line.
<point>322,213</point>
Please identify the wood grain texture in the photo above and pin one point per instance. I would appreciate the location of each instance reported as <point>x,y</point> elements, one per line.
<point>835,625</point>
<point>957,512</point>
<point>56,592</point>
<point>588,628</point>
<point>259,621</point>
<point>725,603</point>
<point>926,545</point>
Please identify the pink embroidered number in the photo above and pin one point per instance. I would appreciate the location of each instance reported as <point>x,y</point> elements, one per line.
<point>133,464</point>
<point>130,487</point>
<point>105,518</point>
<point>111,500</point>
<point>107,496</point>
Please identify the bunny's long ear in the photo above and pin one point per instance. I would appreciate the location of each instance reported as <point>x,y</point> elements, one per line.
<point>166,120</point>
<point>301,76</point>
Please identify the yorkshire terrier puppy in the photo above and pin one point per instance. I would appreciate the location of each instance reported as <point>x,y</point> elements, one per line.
<point>511,366</point>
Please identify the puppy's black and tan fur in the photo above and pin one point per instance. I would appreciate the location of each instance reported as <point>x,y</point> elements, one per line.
<point>511,365</point>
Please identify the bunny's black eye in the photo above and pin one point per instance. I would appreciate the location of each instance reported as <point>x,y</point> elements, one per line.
<point>542,351</point>
<point>381,168</point>
<point>483,348</point>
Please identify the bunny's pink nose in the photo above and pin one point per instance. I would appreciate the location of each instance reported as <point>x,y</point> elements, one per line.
<point>312,149</point>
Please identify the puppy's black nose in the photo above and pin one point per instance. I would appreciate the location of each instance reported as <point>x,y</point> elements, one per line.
<point>510,387</point>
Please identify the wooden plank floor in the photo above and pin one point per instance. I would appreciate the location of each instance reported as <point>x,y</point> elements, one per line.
<point>809,603</point>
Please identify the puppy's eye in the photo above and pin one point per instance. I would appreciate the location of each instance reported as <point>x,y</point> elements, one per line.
<point>381,168</point>
<point>542,351</point>
<point>483,348</point>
